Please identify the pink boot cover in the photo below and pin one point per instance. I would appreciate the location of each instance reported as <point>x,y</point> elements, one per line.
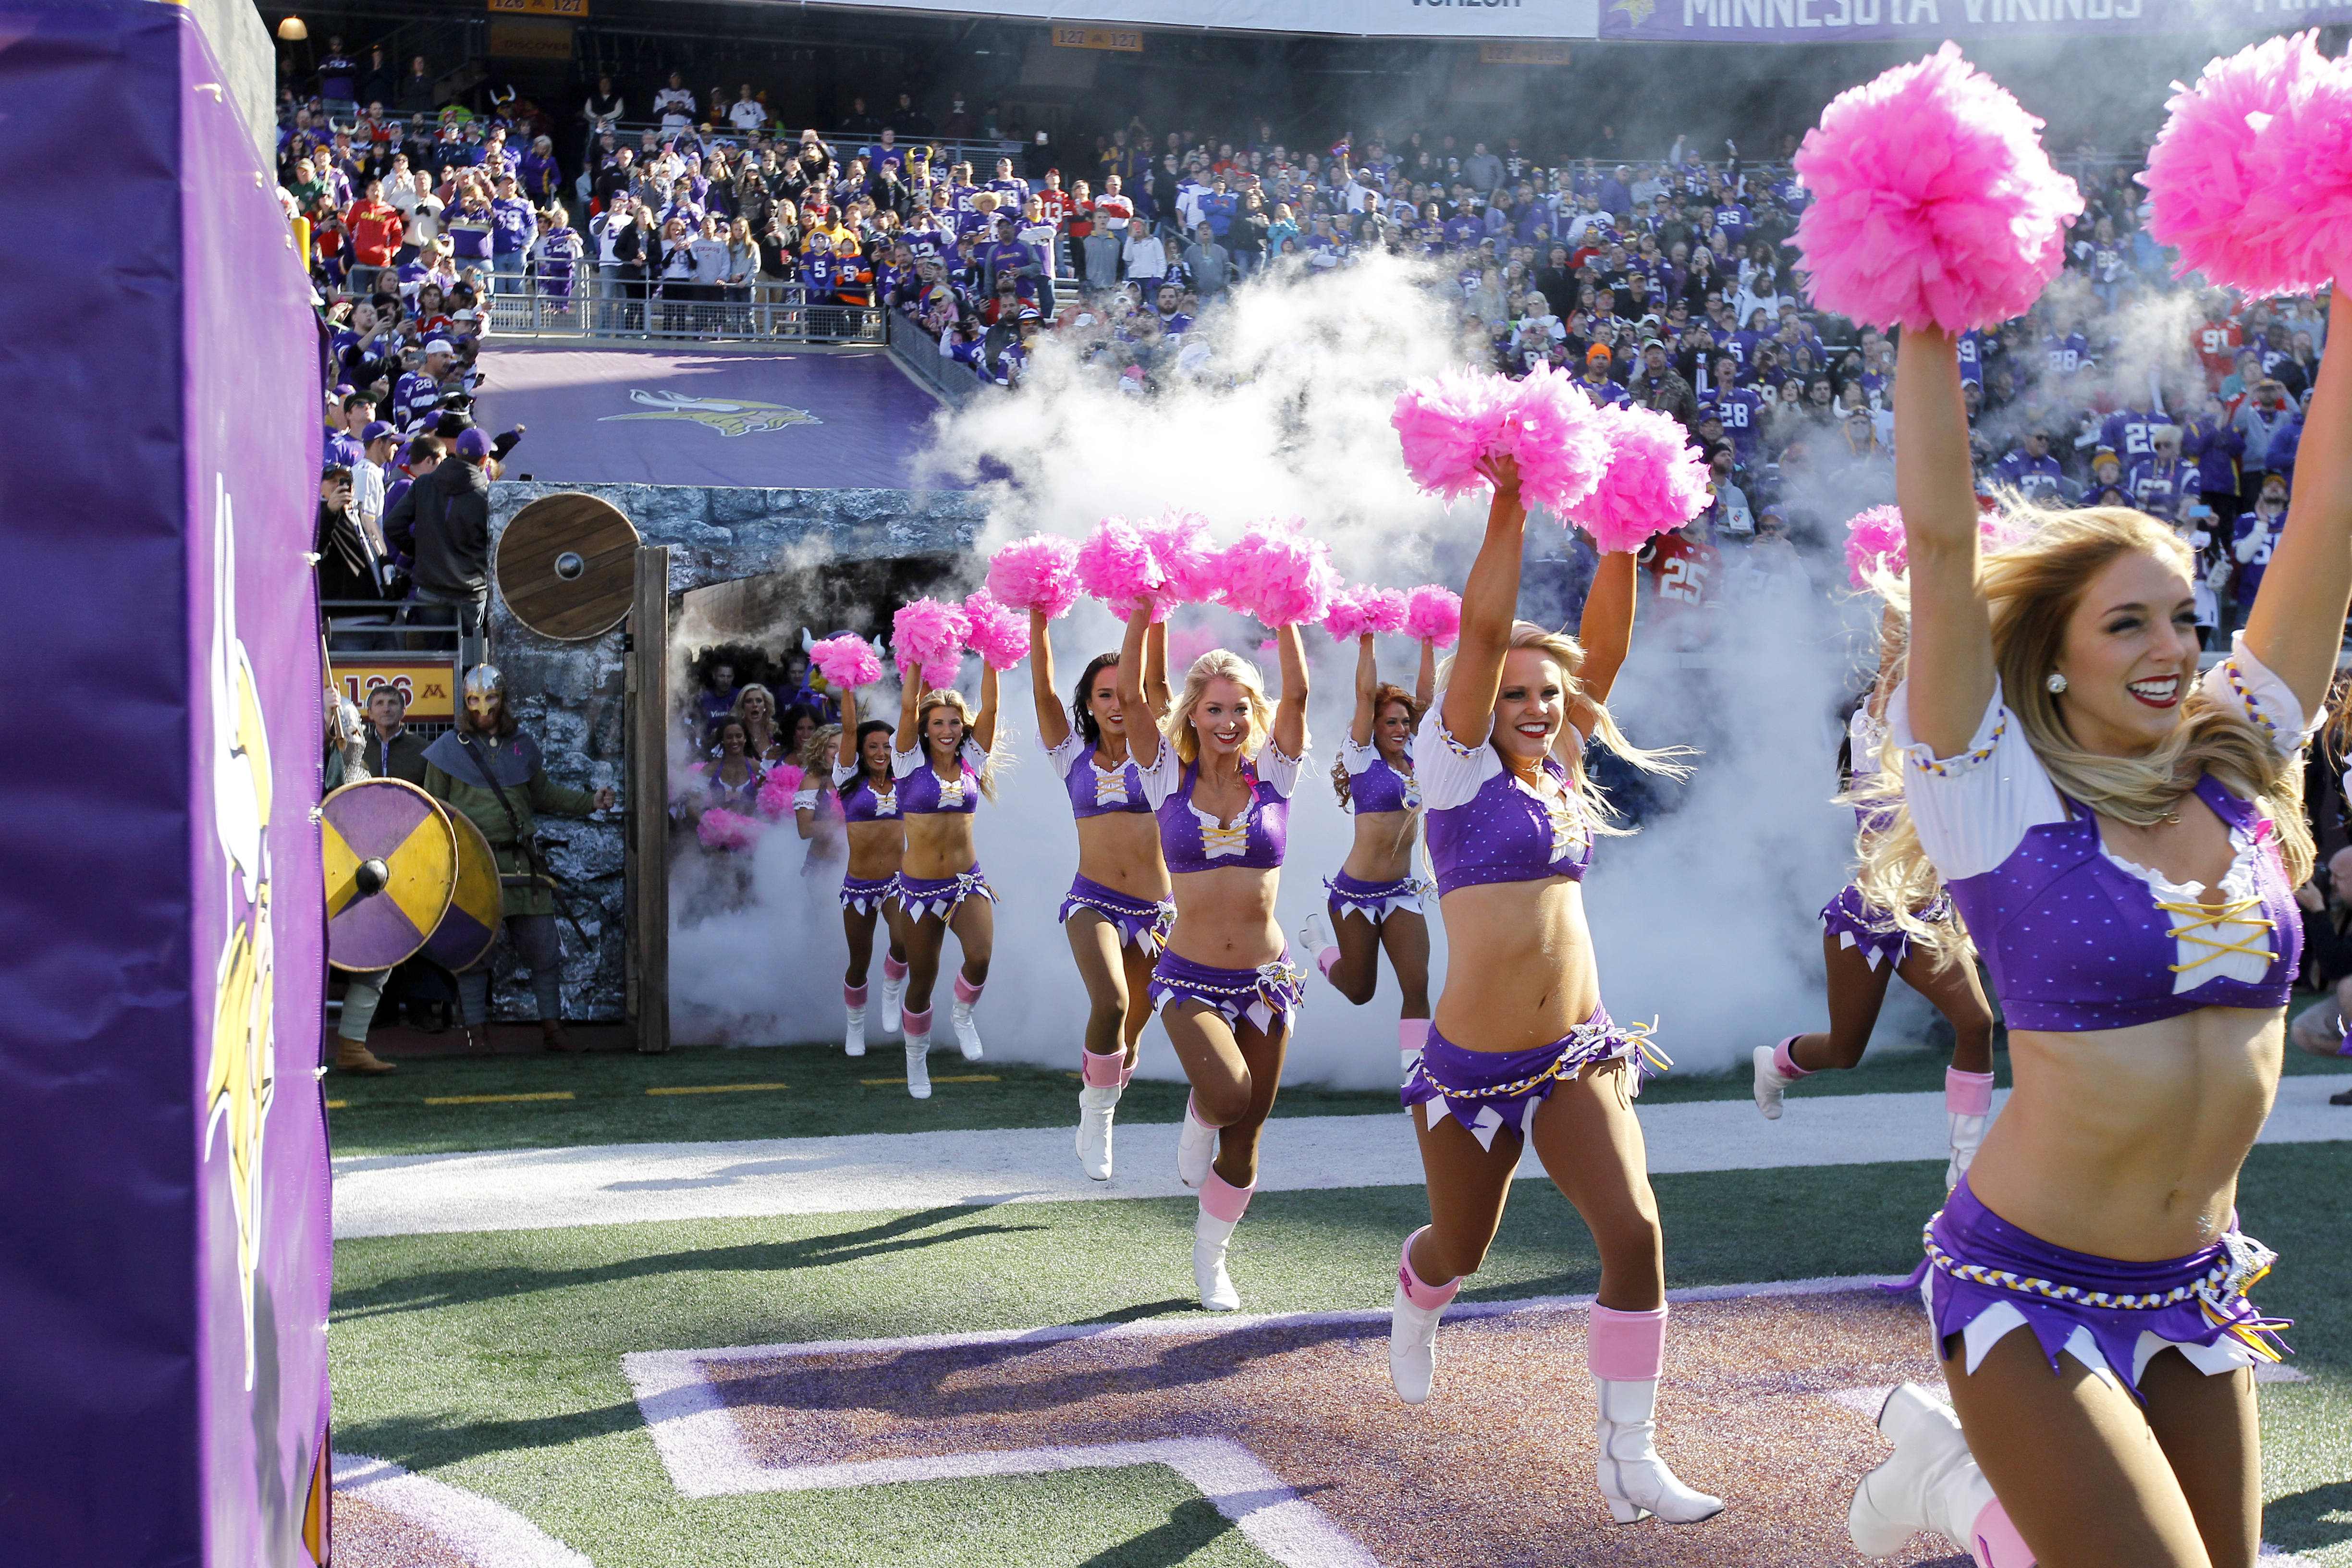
<point>1413,1035</point>
<point>1417,1290</point>
<point>1626,1347</point>
<point>966,992</point>
<point>1993,1541</point>
<point>1104,1069</point>
<point>1325,960</point>
<point>1220,1200</point>
<point>1192,1113</point>
<point>1967,1093</point>
<point>852,995</point>
<point>1786,1065</point>
<point>917,1022</point>
<point>892,969</point>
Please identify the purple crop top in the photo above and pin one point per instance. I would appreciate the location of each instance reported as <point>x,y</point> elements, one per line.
<point>863,803</point>
<point>1373,784</point>
<point>2075,938</point>
<point>921,791</point>
<point>1193,840</point>
<point>1485,826</point>
<point>1093,793</point>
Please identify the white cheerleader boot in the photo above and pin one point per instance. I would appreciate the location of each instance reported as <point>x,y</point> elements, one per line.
<point>894,986</point>
<point>1775,1071</point>
<point>1196,1146</point>
<point>918,1050</point>
<point>1932,1483</point>
<point>1317,936</point>
<point>1625,1352</point>
<point>1222,1207</point>
<point>853,999</point>
<point>1413,1316</point>
<point>1968,1111</point>
<point>1105,1081</point>
<point>1413,1035</point>
<point>967,1033</point>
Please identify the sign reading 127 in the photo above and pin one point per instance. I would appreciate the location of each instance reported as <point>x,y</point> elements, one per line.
<point>540,8</point>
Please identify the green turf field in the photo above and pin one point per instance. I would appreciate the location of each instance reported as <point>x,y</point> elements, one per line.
<point>491,1360</point>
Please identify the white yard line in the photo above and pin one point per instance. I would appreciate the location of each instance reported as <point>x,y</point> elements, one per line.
<point>536,1189</point>
<point>488,1535</point>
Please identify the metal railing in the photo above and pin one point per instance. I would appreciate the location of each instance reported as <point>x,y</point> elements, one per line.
<point>760,312</point>
<point>919,352</point>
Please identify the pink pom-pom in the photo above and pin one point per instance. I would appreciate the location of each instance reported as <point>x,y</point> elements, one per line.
<point>1116,564</point>
<point>1039,572</point>
<point>723,829</point>
<point>1554,432</point>
<point>999,634</point>
<point>776,791</point>
<point>929,636</point>
<point>847,662</point>
<point>2251,176</point>
<point>1933,202</point>
<point>1654,480</point>
<point>1447,425</point>
<point>1191,567</point>
<point>1433,615</point>
<point>1345,619</point>
<point>1384,609</point>
<point>1875,546</point>
<point>1280,575</point>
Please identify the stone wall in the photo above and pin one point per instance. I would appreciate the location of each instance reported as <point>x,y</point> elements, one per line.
<point>571,694</point>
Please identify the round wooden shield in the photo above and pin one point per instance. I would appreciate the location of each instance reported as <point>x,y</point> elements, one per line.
<point>392,865</point>
<point>567,566</point>
<point>463,938</point>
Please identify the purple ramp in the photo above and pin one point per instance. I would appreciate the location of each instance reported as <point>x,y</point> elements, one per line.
<point>811,420</point>
<point>162,1153</point>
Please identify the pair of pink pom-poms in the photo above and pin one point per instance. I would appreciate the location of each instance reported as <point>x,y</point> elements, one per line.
<point>1452,427</point>
<point>2251,176</point>
<point>1932,202</point>
<point>1278,574</point>
<point>720,828</point>
<point>1360,611</point>
<point>1433,615</point>
<point>847,662</point>
<point>1039,572</point>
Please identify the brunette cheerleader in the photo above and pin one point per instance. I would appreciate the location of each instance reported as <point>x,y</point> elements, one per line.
<point>1376,900</point>
<point>868,797</point>
<point>944,762</point>
<point>1117,913</point>
<point>1521,1049</point>
<point>1219,775</point>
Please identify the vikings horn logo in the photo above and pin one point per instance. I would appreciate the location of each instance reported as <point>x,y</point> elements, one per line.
<point>728,415</point>
<point>241,1079</point>
<point>1638,10</point>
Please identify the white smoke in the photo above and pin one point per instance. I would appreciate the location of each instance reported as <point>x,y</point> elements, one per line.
<point>1705,920</point>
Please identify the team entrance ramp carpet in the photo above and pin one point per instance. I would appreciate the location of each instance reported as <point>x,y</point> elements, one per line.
<point>812,419</point>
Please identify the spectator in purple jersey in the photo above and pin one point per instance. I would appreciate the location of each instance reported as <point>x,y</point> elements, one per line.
<point>1596,382</point>
<point>2031,469</point>
<point>2161,482</point>
<point>555,253</point>
<point>2256,536</point>
<point>2208,441</point>
<point>2130,434</point>
<point>416,396</point>
<point>1739,409</point>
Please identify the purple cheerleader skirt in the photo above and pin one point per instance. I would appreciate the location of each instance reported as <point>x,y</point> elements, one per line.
<point>1987,1276</point>
<point>867,894</point>
<point>1260,995</point>
<point>1376,900</point>
<point>1140,925</point>
<point>940,894</point>
<point>1485,1091</point>
<point>1871,931</point>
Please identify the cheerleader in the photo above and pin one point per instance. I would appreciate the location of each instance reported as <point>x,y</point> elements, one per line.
<point>1521,1049</point>
<point>1376,900</point>
<point>1117,913</point>
<point>866,796</point>
<point>2124,839</point>
<point>943,761</point>
<point>1219,775</point>
<point>1864,950</point>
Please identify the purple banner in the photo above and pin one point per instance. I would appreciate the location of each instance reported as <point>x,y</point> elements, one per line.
<point>1932,21</point>
<point>162,1290</point>
<point>813,419</point>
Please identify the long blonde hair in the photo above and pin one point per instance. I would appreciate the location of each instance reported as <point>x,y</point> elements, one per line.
<point>988,770</point>
<point>1177,729</point>
<point>1565,651</point>
<point>2032,590</point>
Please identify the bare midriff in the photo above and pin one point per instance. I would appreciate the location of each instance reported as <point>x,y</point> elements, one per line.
<point>1522,955</point>
<point>1120,849</point>
<point>1224,917</point>
<point>1384,849</point>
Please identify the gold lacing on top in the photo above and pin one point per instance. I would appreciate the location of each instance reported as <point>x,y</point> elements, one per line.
<point>1111,788</point>
<point>2203,917</point>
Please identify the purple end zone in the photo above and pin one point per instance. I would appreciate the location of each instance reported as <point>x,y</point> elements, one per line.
<point>809,418</point>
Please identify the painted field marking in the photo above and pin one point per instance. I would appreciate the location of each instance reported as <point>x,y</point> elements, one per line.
<point>715,1088</point>
<point>494,1099</point>
<point>339,1105</point>
<point>967,1077</point>
<point>477,1528</point>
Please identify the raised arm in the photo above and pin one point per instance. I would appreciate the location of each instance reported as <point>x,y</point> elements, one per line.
<point>1053,720</point>
<point>1155,669</point>
<point>1367,679</point>
<point>1490,603</point>
<point>1952,675</point>
<point>2297,623</point>
<point>984,723</point>
<point>909,737</point>
<point>1425,688</point>
<point>844,749</point>
<point>1290,708</point>
<point>1605,631</point>
<point>1142,723</point>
